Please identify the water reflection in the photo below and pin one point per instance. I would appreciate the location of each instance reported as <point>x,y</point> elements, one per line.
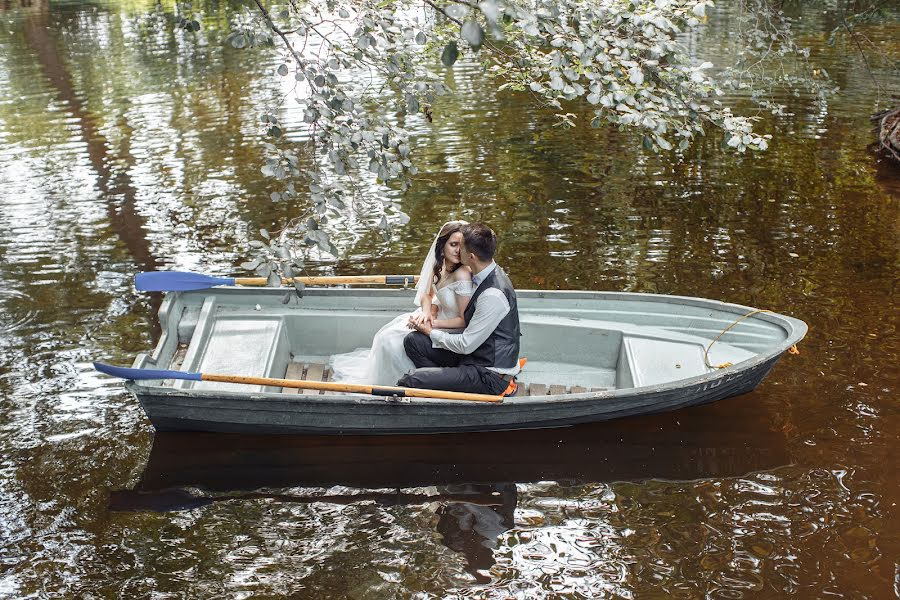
<point>125,143</point>
<point>115,187</point>
<point>471,483</point>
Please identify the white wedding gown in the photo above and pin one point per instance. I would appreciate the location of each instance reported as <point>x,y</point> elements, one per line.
<point>386,361</point>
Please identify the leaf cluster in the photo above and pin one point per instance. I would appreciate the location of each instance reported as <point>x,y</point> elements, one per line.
<point>360,68</point>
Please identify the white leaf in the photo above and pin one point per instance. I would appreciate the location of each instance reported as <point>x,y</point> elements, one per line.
<point>489,9</point>
<point>472,33</point>
<point>636,76</point>
<point>457,11</point>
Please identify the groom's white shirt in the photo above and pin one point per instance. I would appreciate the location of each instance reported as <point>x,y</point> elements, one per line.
<point>490,309</point>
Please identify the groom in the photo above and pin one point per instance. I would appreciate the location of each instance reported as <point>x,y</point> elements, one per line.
<point>484,357</point>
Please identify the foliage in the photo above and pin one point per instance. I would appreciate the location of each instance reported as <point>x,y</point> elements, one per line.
<point>850,27</point>
<point>768,59</point>
<point>625,59</point>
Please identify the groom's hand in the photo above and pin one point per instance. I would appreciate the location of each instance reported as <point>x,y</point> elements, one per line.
<point>423,318</point>
<point>424,326</point>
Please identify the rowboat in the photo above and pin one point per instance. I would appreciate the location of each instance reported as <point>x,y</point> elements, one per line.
<point>591,356</point>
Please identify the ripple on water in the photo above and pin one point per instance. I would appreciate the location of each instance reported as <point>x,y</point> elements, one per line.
<point>15,311</point>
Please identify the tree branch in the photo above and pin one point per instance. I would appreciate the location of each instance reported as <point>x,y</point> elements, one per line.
<point>280,33</point>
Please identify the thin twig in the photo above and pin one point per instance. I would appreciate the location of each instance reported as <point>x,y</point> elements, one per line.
<point>280,33</point>
<point>442,11</point>
<point>858,46</point>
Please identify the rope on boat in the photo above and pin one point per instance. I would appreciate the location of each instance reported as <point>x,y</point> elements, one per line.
<point>793,349</point>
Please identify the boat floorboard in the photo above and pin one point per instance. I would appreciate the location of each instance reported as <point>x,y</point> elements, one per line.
<point>311,371</point>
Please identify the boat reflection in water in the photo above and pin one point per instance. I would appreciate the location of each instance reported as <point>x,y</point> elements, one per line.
<point>471,479</point>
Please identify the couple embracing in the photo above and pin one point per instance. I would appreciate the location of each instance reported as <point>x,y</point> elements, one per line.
<point>464,337</point>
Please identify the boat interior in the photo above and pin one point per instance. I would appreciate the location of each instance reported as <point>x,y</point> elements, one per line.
<point>573,341</point>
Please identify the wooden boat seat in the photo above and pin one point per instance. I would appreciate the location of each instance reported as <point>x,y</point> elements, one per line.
<point>312,371</point>
<point>308,371</point>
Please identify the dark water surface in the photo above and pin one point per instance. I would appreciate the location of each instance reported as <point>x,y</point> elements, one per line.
<point>125,147</point>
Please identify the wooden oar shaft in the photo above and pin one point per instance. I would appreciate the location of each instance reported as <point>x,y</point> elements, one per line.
<point>354,388</point>
<point>335,280</point>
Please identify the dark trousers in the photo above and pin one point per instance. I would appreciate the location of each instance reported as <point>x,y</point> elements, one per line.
<point>439,369</point>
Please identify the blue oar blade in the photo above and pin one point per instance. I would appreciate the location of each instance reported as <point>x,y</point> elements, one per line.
<point>177,281</point>
<point>126,373</point>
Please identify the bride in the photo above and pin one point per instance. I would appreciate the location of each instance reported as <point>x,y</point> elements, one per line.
<point>442,295</point>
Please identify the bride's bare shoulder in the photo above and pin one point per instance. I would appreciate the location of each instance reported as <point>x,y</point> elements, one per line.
<point>463,273</point>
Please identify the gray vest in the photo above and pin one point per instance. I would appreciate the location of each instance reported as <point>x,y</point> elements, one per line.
<point>501,349</point>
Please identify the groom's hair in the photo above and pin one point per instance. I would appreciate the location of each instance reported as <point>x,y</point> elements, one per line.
<point>480,240</point>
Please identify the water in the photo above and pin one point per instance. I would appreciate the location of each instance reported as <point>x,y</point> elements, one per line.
<point>127,147</point>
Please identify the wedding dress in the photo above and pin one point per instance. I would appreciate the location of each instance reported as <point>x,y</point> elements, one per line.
<point>386,361</point>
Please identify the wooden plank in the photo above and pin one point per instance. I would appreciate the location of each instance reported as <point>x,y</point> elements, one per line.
<point>326,376</point>
<point>294,371</point>
<point>556,390</point>
<point>314,372</point>
<point>577,389</point>
<point>538,389</point>
<point>178,359</point>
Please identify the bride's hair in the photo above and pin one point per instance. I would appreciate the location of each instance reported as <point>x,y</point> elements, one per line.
<point>446,231</point>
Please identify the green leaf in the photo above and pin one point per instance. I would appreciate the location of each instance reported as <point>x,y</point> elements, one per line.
<point>265,234</point>
<point>282,69</point>
<point>450,54</point>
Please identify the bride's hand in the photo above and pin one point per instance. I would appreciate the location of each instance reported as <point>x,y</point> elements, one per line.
<point>424,318</point>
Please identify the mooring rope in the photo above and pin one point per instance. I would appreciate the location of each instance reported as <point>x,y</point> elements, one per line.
<point>793,349</point>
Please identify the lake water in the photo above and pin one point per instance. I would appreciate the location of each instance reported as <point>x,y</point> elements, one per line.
<point>126,145</point>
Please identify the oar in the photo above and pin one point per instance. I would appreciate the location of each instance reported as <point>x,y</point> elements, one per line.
<point>180,281</point>
<point>353,388</point>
